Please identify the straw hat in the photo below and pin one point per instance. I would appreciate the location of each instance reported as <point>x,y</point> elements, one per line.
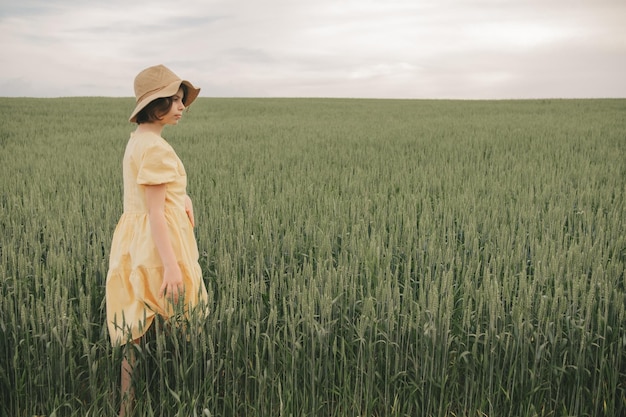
<point>158,82</point>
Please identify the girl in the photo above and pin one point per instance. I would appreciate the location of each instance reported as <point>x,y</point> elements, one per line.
<point>153,265</point>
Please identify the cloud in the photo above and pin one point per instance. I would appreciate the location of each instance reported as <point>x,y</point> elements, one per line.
<point>353,48</point>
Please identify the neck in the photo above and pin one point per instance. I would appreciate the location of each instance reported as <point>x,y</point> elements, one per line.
<point>149,127</point>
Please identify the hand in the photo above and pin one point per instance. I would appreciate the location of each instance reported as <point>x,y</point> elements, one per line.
<point>172,286</point>
<point>189,210</point>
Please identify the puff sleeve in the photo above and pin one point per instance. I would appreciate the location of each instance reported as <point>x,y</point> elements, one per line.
<point>158,164</point>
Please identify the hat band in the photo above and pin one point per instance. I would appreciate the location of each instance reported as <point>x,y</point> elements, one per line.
<point>149,93</point>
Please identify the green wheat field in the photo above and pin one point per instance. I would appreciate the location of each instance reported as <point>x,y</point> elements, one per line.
<point>363,258</point>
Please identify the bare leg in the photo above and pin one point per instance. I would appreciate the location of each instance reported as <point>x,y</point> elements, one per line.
<point>126,387</point>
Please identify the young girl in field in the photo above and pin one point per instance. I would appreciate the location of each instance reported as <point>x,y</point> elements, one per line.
<point>153,265</point>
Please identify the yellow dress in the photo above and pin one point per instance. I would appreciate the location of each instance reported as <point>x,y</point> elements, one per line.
<point>135,270</point>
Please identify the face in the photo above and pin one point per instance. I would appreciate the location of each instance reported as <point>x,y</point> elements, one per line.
<point>176,111</point>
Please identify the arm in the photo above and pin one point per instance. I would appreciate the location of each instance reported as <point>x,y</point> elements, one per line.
<point>172,277</point>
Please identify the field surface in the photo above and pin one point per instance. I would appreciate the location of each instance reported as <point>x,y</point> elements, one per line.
<point>363,258</point>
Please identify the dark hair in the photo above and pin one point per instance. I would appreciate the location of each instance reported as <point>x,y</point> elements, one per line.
<point>158,108</point>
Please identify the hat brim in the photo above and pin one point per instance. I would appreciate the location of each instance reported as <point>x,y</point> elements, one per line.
<point>167,91</point>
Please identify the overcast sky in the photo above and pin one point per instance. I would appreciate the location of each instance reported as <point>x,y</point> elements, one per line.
<point>466,49</point>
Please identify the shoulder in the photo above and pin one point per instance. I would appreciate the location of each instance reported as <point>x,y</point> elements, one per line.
<point>156,161</point>
<point>149,143</point>
<point>148,139</point>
